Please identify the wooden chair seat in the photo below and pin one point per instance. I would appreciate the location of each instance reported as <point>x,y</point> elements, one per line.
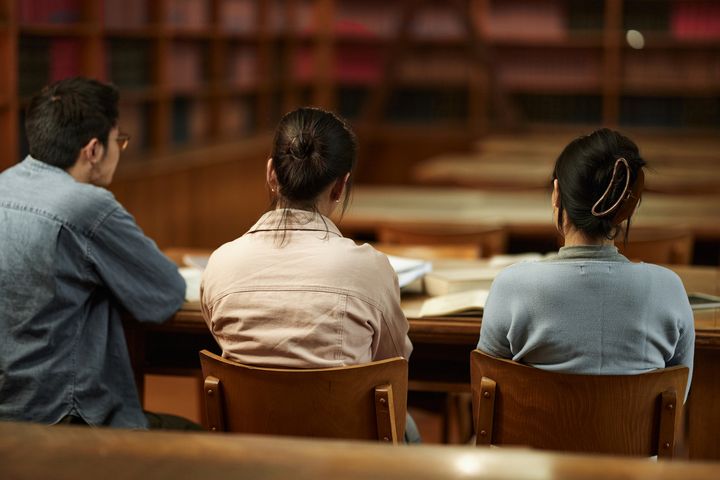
<point>365,402</point>
<point>514,404</point>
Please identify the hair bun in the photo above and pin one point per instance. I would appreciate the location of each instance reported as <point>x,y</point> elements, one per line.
<point>302,147</point>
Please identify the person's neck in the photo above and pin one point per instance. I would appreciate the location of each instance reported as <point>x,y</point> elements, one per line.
<point>323,208</point>
<point>574,238</point>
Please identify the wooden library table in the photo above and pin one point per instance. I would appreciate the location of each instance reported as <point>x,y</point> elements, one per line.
<point>534,172</point>
<point>30,452</point>
<point>442,347</point>
<point>522,213</point>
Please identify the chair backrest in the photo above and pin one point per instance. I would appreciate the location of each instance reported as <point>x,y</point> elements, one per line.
<point>491,240</point>
<point>355,402</point>
<point>673,246</point>
<point>515,404</point>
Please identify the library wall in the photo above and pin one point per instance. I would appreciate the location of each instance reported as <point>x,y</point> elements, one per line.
<point>415,78</point>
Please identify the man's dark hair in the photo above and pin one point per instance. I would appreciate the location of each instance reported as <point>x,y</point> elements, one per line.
<point>66,115</point>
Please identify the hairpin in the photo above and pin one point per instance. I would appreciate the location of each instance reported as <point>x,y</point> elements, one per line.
<point>630,196</point>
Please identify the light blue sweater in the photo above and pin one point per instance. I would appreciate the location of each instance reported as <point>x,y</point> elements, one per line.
<point>589,310</point>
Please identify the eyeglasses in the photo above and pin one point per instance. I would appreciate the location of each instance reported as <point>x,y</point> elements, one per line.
<point>123,140</point>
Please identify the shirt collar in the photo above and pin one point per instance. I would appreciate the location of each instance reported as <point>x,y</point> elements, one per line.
<point>591,252</point>
<point>35,164</point>
<point>293,219</point>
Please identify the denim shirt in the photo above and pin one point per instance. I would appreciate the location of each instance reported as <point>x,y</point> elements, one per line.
<point>71,260</point>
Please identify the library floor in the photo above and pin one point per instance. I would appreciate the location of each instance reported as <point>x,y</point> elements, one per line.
<point>180,396</point>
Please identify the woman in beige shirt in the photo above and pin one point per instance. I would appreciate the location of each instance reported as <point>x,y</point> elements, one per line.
<point>292,292</point>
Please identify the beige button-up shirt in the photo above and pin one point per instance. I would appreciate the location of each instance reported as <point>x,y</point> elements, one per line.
<point>292,292</point>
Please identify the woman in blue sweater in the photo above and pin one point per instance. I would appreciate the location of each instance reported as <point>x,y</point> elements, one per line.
<point>589,309</point>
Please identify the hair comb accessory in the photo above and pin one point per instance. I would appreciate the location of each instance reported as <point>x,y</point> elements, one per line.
<point>628,200</point>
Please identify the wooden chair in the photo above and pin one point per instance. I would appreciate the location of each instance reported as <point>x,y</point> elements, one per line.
<point>514,404</point>
<point>488,240</point>
<point>670,246</point>
<point>355,402</point>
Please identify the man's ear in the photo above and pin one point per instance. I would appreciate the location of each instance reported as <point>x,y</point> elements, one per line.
<point>93,151</point>
<point>339,188</point>
<point>271,176</point>
<point>556,194</point>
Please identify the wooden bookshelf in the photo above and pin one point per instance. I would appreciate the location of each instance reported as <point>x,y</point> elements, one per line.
<point>196,72</point>
<point>191,73</point>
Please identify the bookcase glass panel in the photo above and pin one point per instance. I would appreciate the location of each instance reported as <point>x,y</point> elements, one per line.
<point>427,105</point>
<point>129,62</point>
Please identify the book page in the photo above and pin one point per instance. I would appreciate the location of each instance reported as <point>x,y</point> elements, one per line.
<point>703,301</point>
<point>471,301</point>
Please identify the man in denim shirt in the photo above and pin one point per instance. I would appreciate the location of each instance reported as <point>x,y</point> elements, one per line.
<point>71,260</point>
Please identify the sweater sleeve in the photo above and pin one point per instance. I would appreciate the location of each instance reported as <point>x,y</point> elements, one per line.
<point>496,320</point>
<point>685,348</point>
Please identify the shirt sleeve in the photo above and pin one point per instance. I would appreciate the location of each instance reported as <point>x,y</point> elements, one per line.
<point>685,348</point>
<point>496,322</point>
<point>394,340</point>
<point>143,280</point>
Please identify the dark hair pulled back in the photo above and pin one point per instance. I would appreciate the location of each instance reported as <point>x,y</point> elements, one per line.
<point>584,171</point>
<point>312,149</point>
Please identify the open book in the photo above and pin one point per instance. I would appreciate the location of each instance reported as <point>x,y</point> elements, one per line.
<point>703,301</point>
<point>471,302</point>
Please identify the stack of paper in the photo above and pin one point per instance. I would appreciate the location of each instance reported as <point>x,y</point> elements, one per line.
<point>409,269</point>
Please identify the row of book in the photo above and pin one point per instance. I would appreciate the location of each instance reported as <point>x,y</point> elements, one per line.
<point>42,60</point>
<point>191,119</point>
<point>676,112</point>
<point>533,19</point>
<point>677,69</point>
<point>129,65</point>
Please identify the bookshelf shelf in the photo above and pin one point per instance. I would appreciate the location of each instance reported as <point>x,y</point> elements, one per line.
<point>132,32</point>
<point>57,30</point>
